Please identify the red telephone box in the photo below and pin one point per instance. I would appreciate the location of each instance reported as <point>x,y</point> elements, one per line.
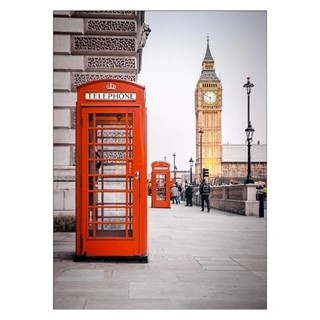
<point>160,184</point>
<point>111,171</point>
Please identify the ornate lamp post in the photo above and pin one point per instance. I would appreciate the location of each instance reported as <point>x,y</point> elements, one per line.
<point>201,132</point>
<point>191,165</point>
<point>249,131</point>
<point>174,167</point>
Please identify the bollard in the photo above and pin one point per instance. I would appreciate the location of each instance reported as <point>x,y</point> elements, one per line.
<point>261,204</point>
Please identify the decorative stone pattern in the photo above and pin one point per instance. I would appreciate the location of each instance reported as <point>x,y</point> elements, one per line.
<point>103,13</point>
<point>81,78</point>
<point>103,45</point>
<point>94,63</point>
<point>108,26</point>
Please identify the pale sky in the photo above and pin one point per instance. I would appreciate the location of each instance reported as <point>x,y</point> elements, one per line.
<point>171,66</point>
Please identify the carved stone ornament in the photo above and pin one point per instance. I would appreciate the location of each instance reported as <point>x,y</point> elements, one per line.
<point>110,26</point>
<point>101,45</point>
<point>104,13</point>
<point>81,78</point>
<point>98,63</point>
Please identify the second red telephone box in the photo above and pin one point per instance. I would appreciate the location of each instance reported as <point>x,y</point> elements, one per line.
<point>160,184</point>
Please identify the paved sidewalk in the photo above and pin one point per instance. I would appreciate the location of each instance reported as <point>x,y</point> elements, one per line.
<point>197,260</point>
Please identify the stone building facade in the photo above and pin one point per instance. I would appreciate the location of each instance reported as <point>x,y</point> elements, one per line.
<point>87,46</point>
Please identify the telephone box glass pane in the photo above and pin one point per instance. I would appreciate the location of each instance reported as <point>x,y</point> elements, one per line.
<point>110,196</point>
<point>161,187</point>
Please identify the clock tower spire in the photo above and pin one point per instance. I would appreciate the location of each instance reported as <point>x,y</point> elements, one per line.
<point>208,108</point>
<point>208,56</point>
<point>208,65</point>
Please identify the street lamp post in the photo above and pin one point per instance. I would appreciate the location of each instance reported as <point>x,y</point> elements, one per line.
<point>191,165</point>
<point>174,167</point>
<point>249,131</point>
<point>201,132</point>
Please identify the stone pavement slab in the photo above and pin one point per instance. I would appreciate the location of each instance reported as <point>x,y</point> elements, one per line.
<point>197,260</point>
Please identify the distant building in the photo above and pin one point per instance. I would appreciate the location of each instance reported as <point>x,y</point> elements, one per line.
<point>234,165</point>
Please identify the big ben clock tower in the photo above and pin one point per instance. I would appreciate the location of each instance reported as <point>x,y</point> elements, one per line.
<point>208,107</point>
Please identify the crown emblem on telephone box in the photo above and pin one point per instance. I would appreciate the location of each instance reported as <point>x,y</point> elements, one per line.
<point>111,86</point>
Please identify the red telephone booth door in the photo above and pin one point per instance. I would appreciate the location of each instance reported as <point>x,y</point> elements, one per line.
<point>111,202</point>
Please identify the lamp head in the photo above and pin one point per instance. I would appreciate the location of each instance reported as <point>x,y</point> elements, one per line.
<point>249,132</point>
<point>248,85</point>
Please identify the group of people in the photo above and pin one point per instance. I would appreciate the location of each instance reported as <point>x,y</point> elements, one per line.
<point>175,193</point>
<point>204,191</point>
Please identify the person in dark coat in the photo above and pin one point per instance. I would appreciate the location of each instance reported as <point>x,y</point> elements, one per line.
<point>205,192</point>
<point>188,193</point>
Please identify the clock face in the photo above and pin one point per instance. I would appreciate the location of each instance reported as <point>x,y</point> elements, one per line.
<point>209,97</point>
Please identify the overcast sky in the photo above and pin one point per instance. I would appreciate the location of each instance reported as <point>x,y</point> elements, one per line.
<point>171,66</point>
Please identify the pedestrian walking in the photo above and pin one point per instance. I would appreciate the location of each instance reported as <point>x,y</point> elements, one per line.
<point>205,192</point>
<point>179,192</point>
